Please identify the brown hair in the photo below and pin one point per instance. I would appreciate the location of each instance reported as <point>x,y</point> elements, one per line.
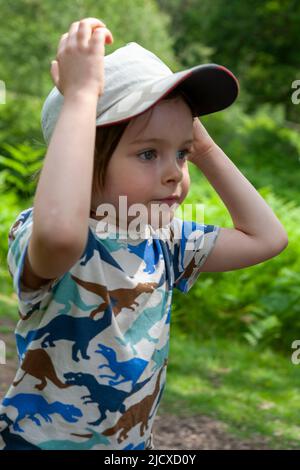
<point>108,137</point>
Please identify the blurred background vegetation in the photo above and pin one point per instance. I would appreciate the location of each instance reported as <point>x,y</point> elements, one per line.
<point>246,318</point>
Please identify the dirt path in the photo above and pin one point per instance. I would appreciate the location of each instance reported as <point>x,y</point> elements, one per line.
<point>169,432</point>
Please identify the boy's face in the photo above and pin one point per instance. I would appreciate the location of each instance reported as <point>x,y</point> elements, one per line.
<point>162,171</point>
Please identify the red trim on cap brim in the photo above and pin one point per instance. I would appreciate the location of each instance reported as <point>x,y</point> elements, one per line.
<point>231,74</point>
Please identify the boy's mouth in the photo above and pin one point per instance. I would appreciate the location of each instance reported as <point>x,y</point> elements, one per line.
<point>169,201</point>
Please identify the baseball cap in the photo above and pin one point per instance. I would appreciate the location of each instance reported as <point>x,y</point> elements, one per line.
<point>135,79</point>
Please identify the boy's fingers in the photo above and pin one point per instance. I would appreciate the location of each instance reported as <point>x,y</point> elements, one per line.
<point>97,41</point>
<point>83,34</point>
<point>62,42</point>
<point>83,28</point>
<point>92,22</point>
<point>99,38</point>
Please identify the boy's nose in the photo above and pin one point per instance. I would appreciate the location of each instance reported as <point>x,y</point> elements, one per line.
<point>171,171</point>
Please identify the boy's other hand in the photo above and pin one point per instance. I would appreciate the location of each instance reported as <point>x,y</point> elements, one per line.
<point>79,66</point>
<point>202,143</point>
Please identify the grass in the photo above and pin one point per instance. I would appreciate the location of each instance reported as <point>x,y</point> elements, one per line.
<point>253,392</point>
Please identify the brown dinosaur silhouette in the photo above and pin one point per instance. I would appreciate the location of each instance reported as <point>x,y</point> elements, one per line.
<point>38,364</point>
<point>137,413</point>
<point>13,229</point>
<point>125,297</point>
<point>188,271</point>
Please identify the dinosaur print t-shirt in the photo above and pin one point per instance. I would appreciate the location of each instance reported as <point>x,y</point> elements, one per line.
<point>93,344</point>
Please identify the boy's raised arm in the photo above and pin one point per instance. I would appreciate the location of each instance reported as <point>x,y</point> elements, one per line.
<point>257,234</point>
<point>63,196</point>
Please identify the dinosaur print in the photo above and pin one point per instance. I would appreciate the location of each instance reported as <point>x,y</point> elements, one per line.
<point>29,405</point>
<point>36,307</point>
<point>159,356</point>
<point>137,413</point>
<point>66,292</point>
<point>189,269</point>
<point>94,438</point>
<point>132,447</point>
<point>39,364</point>
<point>118,298</point>
<point>145,251</point>
<point>93,343</point>
<point>145,321</point>
<point>186,272</point>
<point>14,441</point>
<point>107,398</point>
<point>66,327</point>
<point>95,245</point>
<point>114,244</point>
<point>130,370</point>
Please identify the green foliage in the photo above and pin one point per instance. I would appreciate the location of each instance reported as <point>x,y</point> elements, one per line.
<point>20,120</point>
<point>262,145</point>
<point>32,29</point>
<point>256,39</point>
<point>18,167</point>
<point>10,206</point>
<point>29,40</point>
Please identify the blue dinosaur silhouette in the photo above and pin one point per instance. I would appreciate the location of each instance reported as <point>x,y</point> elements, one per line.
<point>140,327</point>
<point>29,405</point>
<point>140,446</point>
<point>93,244</point>
<point>66,292</point>
<point>14,441</point>
<point>107,398</point>
<point>130,370</point>
<point>79,330</point>
<point>23,343</point>
<point>159,356</point>
<point>149,253</point>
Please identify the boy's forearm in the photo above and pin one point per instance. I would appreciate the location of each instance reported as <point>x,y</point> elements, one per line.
<point>63,196</point>
<point>249,211</point>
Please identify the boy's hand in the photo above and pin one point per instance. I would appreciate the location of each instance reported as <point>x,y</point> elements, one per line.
<point>202,143</point>
<point>79,61</point>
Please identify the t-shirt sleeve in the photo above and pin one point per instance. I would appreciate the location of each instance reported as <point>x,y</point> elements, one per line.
<point>192,243</point>
<point>18,239</point>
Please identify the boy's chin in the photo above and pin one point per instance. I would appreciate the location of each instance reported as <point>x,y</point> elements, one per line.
<point>161,219</point>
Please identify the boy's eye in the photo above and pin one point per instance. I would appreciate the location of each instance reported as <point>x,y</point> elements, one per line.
<point>187,152</point>
<point>145,153</point>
